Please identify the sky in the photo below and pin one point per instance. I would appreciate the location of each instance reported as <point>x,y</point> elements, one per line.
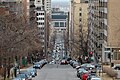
<point>60,0</point>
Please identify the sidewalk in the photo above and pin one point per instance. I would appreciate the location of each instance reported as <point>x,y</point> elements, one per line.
<point>29,65</point>
<point>104,76</point>
<point>1,78</point>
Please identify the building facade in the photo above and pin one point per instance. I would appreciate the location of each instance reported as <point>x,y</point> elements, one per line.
<point>42,7</point>
<point>59,20</point>
<point>78,25</point>
<point>15,6</point>
<point>104,29</point>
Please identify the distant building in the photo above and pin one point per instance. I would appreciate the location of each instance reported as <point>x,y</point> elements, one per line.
<point>59,20</point>
<point>55,9</point>
<point>48,6</point>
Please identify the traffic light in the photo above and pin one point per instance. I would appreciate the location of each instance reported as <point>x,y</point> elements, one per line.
<point>109,55</point>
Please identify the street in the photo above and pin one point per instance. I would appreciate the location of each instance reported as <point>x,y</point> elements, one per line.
<point>56,72</point>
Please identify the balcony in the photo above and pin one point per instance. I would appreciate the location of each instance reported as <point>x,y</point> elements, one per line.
<point>104,0</point>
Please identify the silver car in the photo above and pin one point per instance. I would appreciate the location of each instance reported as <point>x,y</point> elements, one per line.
<point>33,71</point>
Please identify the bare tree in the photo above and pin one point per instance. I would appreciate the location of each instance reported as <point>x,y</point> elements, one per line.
<point>17,39</point>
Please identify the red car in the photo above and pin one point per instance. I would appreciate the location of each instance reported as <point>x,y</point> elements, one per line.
<point>84,76</point>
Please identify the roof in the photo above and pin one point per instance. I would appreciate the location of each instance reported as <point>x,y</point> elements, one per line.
<point>59,16</point>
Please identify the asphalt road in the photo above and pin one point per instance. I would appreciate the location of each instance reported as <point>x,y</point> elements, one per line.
<point>56,72</point>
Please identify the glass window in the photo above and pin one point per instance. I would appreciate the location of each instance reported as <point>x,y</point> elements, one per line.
<point>80,9</point>
<point>80,14</point>
<point>56,24</point>
<point>61,24</point>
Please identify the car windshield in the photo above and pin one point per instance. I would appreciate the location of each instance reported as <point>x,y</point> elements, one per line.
<point>36,63</point>
<point>31,70</point>
<point>82,70</point>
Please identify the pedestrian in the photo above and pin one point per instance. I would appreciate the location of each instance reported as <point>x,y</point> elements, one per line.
<point>4,73</point>
<point>15,71</point>
<point>12,72</point>
<point>8,71</point>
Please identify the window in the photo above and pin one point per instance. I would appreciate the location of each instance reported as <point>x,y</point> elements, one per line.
<point>40,23</point>
<point>80,14</point>
<point>37,14</point>
<point>107,49</point>
<point>80,9</point>
<point>100,45</point>
<point>37,18</point>
<point>62,24</point>
<point>65,24</point>
<point>56,24</point>
<point>80,25</point>
<point>42,33</point>
<point>41,13</point>
<point>80,19</point>
<point>40,18</point>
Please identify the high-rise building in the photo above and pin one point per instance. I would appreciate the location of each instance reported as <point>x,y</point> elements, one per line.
<point>78,25</point>
<point>104,29</point>
<point>32,14</point>
<point>42,11</point>
<point>48,6</point>
<point>19,7</point>
<point>14,6</point>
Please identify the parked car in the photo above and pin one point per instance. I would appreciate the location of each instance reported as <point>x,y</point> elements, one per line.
<point>17,78</point>
<point>22,76</point>
<point>33,71</point>
<point>78,67</point>
<point>63,62</point>
<point>116,67</point>
<point>75,64</point>
<point>42,62</point>
<point>84,75</point>
<point>52,62</point>
<point>29,74</point>
<point>71,62</point>
<point>93,77</point>
<point>80,72</point>
<point>37,66</point>
<point>88,66</point>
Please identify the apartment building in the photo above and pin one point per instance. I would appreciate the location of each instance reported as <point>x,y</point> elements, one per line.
<point>48,6</point>
<point>42,21</point>
<point>104,29</point>
<point>79,25</point>
<point>14,6</point>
